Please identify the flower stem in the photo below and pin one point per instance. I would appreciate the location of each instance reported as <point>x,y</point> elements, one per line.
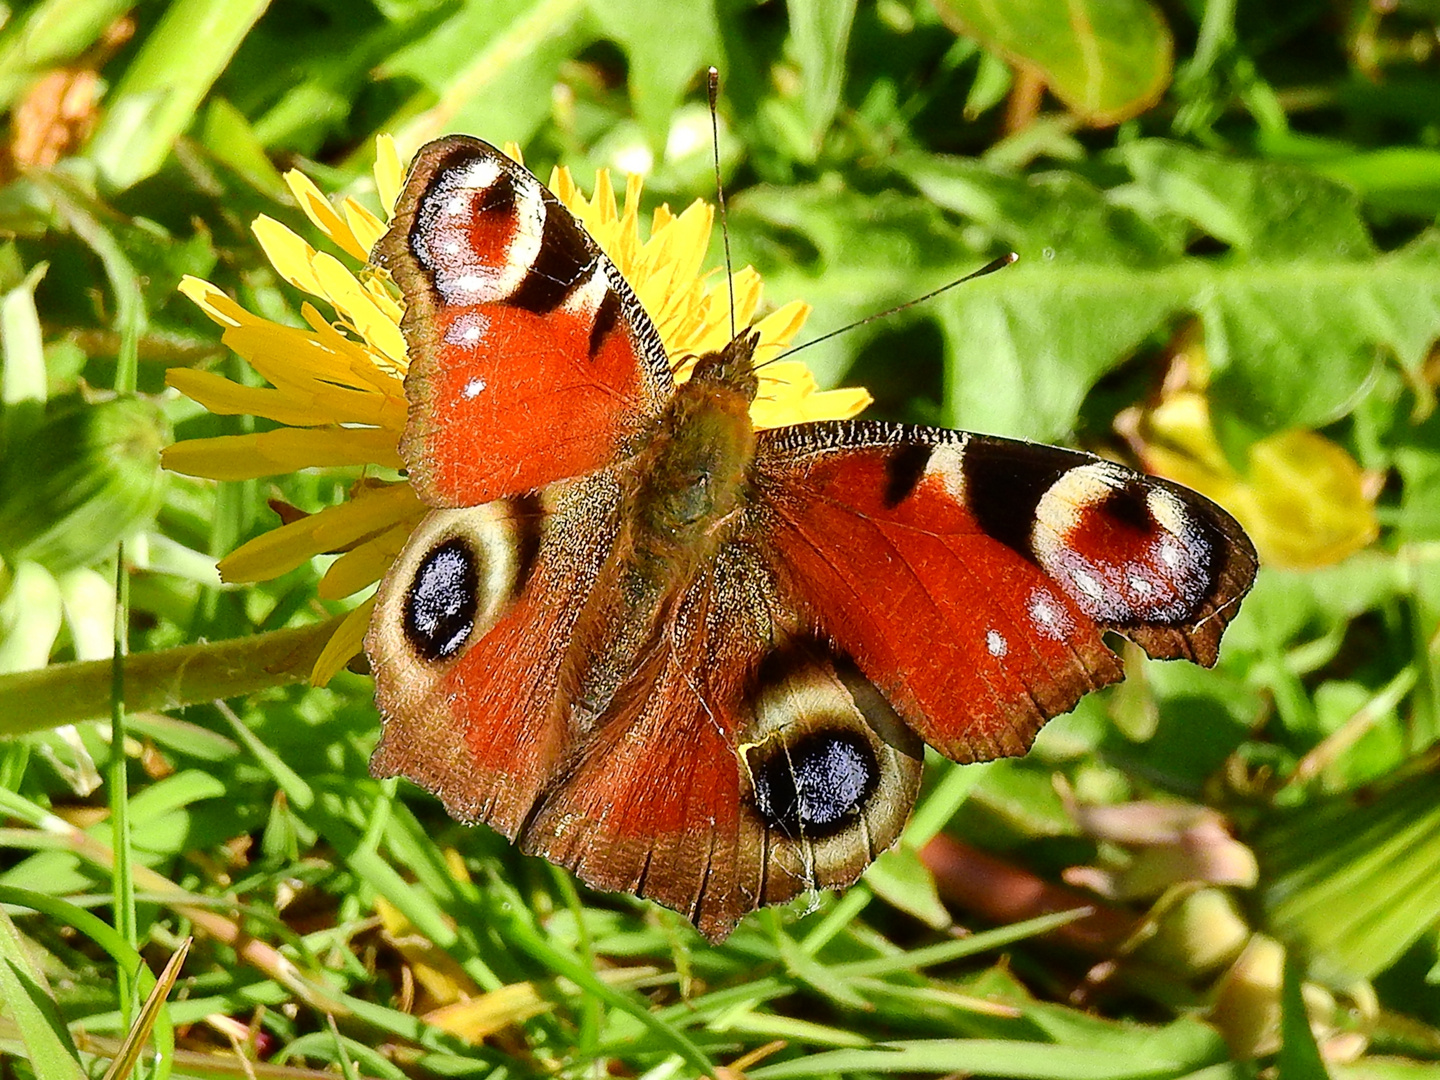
<point>69,693</point>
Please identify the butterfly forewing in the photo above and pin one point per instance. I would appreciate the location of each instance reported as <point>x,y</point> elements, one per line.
<point>531,360</point>
<point>971,577</point>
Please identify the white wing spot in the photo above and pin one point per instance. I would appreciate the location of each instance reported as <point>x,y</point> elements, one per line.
<point>473,388</point>
<point>947,461</point>
<point>1049,618</point>
<point>1087,584</point>
<point>1140,585</point>
<point>996,643</point>
<point>467,329</point>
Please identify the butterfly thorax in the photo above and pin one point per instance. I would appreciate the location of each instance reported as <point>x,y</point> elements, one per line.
<point>691,474</point>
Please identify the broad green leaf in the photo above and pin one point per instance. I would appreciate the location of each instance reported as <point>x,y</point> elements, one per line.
<point>1056,216</point>
<point>1293,332</point>
<point>1106,59</point>
<point>1270,212</point>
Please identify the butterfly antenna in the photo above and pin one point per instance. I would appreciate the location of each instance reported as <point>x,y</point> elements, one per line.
<point>988,268</point>
<point>713,91</point>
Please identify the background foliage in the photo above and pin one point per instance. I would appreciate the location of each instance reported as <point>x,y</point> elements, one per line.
<point>1225,216</point>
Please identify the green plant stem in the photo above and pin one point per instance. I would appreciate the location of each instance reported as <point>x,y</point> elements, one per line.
<point>69,693</point>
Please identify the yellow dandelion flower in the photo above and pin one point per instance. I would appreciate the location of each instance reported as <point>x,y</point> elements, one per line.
<point>337,386</point>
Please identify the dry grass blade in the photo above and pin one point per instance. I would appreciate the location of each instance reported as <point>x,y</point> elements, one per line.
<point>139,1033</point>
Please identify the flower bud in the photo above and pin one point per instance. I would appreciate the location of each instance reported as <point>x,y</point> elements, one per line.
<point>82,480</point>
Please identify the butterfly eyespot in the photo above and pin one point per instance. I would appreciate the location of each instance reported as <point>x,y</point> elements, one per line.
<point>815,785</point>
<point>1126,552</point>
<point>442,599</point>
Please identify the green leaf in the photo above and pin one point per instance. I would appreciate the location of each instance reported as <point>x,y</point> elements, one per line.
<point>22,374</point>
<point>49,34</point>
<point>1299,1057</point>
<point>1004,1057</point>
<point>229,136</point>
<point>1268,211</point>
<point>161,90</point>
<point>128,1056</point>
<point>490,68</point>
<point>819,37</point>
<point>1106,59</point>
<point>1056,216</point>
<point>1292,332</point>
<point>659,78</point>
<point>31,1005</point>
<point>1350,882</point>
<point>30,619</point>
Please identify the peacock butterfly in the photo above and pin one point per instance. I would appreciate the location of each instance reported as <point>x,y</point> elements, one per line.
<point>698,662</point>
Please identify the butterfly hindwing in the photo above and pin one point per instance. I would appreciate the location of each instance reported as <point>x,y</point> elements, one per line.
<point>472,637</point>
<point>517,325</point>
<point>742,764</point>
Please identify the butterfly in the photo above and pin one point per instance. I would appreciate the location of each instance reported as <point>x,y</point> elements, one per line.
<point>697,662</point>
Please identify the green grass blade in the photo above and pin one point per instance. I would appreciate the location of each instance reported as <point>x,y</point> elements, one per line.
<point>28,1000</point>
<point>157,99</point>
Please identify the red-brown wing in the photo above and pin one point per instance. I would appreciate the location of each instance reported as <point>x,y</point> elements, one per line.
<point>469,643</point>
<point>971,578</point>
<point>531,359</point>
<point>740,765</point>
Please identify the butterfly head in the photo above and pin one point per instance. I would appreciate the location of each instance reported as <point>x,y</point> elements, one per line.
<point>733,366</point>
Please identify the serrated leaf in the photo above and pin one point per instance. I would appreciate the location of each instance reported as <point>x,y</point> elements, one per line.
<point>1293,334</point>
<point>1268,211</point>
<point>1108,60</point>
<point>1056,216</point>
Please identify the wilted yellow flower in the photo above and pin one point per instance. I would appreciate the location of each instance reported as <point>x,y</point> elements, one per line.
<point>338,387</point>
